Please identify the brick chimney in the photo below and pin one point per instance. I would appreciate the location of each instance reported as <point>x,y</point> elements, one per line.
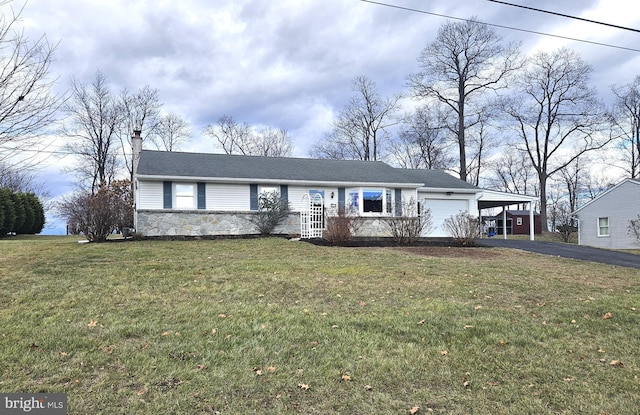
<point>136,146</point>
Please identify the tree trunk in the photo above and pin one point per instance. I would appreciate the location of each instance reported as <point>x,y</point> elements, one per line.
<point>543,200</point>
<point>461,138</point>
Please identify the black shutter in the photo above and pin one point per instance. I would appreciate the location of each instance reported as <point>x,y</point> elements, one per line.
<point>284,193</point>
<point>341,198</point>
<point>253,196</point>
<point>202,197</point>
<point>167,197</point>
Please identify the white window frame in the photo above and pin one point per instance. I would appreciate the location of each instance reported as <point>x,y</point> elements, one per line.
<point>388,200</point>
<point>600,227</point>
<point>518,221</point>
<point>184,196</point>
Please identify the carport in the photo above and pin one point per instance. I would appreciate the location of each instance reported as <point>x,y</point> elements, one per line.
<point>491,199</point>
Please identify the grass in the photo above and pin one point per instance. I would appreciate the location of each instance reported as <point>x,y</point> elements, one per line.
<point>271,326</point>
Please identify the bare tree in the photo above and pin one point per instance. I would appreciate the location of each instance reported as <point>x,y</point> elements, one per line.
<point>140,111</point>
<point>481,142</point>
<point>421,142</point>
<point>512,172</point>
<point>556,114</point>
<point>360,130</point>
<point>95,117</point>
<point>171,132</point>
<point>625,119</point>
<point>233,137</point>
<point>272,142</point>
<point>27,105</point>
<point>241,138</point>
<point>466,60</point>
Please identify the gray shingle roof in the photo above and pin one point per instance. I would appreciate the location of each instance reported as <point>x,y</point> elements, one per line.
<point>223,166</point>
<point>436,179</point>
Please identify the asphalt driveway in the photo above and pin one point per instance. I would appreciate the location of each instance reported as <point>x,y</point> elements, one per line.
<point>574,251</point>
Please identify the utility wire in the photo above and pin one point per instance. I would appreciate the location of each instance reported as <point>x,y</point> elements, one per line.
<point>499,26</point>
<point>566,15</point>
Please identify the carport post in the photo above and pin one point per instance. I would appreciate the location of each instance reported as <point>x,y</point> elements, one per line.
<point>504,222</point>
<point>532,226</point>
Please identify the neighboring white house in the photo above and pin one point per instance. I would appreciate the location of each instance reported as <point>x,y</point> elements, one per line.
<point>197,194</point>
<point>604,221</point>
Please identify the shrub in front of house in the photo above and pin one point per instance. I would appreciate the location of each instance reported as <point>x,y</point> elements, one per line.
<point>341,226</point>
<point>272,211</point>
<point>463,228</point>
<point>407,227</point>
<point>97,215</point>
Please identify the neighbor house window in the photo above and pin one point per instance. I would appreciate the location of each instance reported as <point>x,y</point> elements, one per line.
<point>519,221</point>
<point>603,226</point>
<point>185,196</point>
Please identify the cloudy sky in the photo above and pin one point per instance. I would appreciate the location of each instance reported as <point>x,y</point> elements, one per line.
<point>289,63</point>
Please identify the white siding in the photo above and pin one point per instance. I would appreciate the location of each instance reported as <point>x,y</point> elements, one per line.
<point>297,192</point>
<point>150,195</point>
<point>228,197</point>
<point>620,205</point>
<point>408,195</point>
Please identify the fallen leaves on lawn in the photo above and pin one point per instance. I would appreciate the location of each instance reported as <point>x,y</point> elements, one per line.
<point>346,378</point>
<point>607,316</point>
<point>92,323</point>
<point>304,386</point>
<point>414,410</point>
<point>368,387</point>
<point>444,352</point>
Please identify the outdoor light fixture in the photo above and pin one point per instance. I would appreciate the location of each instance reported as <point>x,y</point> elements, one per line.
<point>332,194</point>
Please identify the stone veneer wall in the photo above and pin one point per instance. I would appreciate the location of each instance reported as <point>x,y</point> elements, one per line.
<point>205,223</point>
<point>209,223</point>
<point>373,227</point>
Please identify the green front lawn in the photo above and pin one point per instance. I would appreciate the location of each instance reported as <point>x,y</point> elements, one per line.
<point>270,326</point>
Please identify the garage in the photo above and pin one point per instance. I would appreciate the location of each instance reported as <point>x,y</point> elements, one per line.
<point>441,210</point>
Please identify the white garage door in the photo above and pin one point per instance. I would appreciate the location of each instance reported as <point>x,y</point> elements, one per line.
<point>441,210</point>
